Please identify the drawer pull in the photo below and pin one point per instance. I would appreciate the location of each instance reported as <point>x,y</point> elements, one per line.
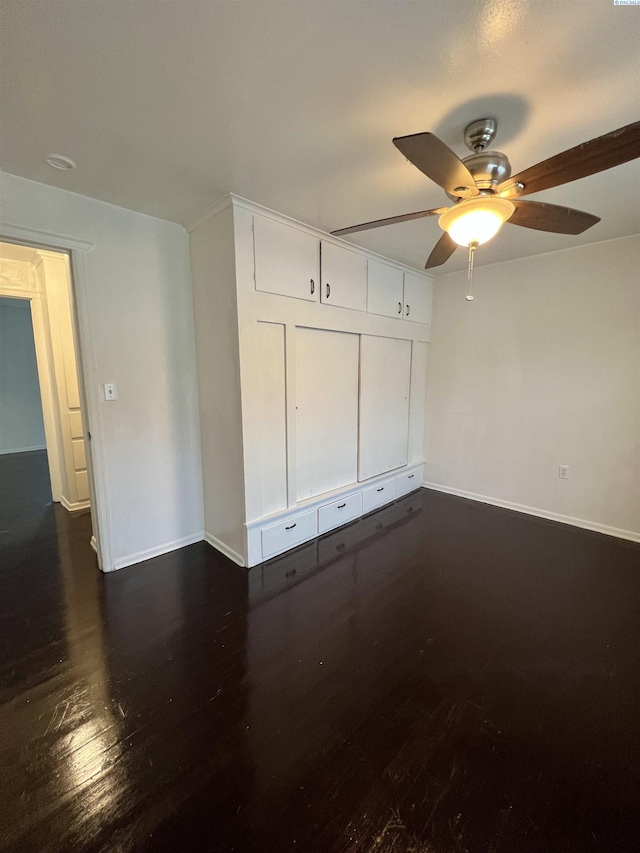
<point>341,506</point>
<point>291,526</point>
<point>291,574</point>
<point>411,476</point>
<point>381,489</point>
<point>313,286</point>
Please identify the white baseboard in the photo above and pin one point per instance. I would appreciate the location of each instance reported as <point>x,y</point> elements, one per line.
<point>149,553</point>
<point>23,449</point>
<point>94,543</point>
<point>224,549</point>
<point>631,535</point>
<point>74,507</point>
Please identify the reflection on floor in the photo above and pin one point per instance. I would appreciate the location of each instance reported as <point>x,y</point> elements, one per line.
<point>440,676</point>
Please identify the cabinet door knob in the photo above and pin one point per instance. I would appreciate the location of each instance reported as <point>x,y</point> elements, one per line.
<point>399,307</point>
<point>328,289</point>
<point>313,286</point>
<point>408,309</point>
<point>291,526</point>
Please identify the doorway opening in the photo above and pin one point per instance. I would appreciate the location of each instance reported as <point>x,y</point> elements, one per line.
<point>43,442</point>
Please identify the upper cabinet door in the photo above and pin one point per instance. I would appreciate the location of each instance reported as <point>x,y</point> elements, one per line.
<point>417,298</point>
<point>287,260</point>
<point>384,289</point>
<point>344,278</point>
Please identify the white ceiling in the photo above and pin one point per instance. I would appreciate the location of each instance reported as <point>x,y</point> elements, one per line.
<point>168,104</point>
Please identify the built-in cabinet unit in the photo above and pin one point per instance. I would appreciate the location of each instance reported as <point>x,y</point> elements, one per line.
<point>311,361</point>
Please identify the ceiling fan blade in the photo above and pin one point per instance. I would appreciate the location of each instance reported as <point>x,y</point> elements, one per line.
<point>442,251</point>
<point>438,162</point>
<point>390,220</point>
<point>551,217</point>
<point>591,157</point>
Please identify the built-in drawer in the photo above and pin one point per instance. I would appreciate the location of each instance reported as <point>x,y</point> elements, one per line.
<point>339,512</point>
<point>286,534</point>
<point>378,495</point>
<point>408,482</point>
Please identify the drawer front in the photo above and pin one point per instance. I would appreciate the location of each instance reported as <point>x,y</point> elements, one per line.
<point>287,534</point>
<point>339,512</point>
<point>408,482</point>
<point>378,495</point>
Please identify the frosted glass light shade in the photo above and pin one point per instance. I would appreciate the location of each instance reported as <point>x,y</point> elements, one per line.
<point>476,220</point>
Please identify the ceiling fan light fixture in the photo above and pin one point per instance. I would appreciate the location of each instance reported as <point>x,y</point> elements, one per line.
<point>476,220</point>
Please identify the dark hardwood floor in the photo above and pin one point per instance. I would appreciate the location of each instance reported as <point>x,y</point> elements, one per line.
<point>439,677</point>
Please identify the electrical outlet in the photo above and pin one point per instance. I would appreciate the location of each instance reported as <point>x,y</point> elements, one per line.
<point>563,472</point>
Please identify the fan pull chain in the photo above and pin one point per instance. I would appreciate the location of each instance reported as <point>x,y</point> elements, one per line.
<point>472,250</point>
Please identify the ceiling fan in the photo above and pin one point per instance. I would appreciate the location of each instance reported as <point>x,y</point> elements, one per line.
<point>485,195</point>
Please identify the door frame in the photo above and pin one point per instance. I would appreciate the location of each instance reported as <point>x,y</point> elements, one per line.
<point>87,375</point>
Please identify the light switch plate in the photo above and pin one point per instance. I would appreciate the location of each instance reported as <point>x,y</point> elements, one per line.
<point>110,391</point>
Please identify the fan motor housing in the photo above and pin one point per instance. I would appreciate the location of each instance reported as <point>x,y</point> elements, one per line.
<point>489,168</point>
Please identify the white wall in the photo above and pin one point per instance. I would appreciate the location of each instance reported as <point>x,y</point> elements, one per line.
<point>21,423</point>
<point>541,370</point>
<point>216,323</point>
<point>141,323</point>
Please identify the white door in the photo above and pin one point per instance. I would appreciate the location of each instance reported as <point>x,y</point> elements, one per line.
<point>326,390</point>
<point>344,277</point>
<point>287,260</point>
<point>417,298</point>
<point>385,378</point>
<point>384,289</point>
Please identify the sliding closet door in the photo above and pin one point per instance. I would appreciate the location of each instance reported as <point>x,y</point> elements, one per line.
<point>385,379</point>
<point>326,411</point>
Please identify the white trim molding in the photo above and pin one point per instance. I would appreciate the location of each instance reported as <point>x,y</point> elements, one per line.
<point>630,535</point>
<point>224,549</point>
<point>76,507</point>
<point>166,548</point>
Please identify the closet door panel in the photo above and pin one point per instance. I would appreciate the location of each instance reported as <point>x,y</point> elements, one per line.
<point>326,389</point>
<point>385,378</point>
<point>419,354</point>
<point>272,416</point>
